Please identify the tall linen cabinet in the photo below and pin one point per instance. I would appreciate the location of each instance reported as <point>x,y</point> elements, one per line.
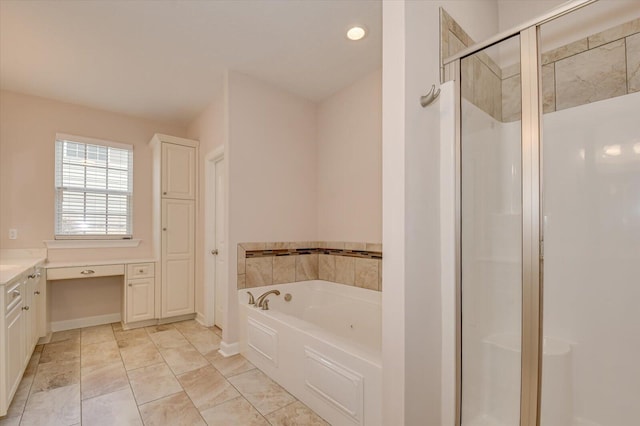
<point>175,162</point>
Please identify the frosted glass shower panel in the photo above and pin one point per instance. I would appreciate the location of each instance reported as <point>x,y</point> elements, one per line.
<point>491,229</point>
<point>591,211</point>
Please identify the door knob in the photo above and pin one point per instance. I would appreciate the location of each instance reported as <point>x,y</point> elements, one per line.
<point>214,252</point>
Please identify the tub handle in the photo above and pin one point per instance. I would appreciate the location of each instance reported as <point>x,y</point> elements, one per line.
<point>251,299</point>
<point>265,305</point>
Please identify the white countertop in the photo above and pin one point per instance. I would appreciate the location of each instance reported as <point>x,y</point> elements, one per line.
<point>13,263</point>
<point>78,263</point>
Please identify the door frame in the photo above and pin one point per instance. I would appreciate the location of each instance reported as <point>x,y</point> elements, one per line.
<point>211,161</point>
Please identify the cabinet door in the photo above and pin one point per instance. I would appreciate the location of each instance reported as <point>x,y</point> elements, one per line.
<point>140,300</point>
<point>16,347</point>
<point>178,171</point>
<point>29,319</point>
<point>40,297</point>
<point>178,246</point>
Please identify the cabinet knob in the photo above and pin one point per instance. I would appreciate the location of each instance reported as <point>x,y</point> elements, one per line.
<point>130,285</point>
<point>164,229</point>
<point>164,193</point>
<point>25,308</point>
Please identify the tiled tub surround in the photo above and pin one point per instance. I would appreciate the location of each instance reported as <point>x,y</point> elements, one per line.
<point>356,264</point>
<point>601,66</point>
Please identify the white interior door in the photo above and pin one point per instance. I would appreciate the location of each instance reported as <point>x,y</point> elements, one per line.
<point>220,259</point>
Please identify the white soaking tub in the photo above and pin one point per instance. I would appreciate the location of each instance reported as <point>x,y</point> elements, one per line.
<point>323,346</point>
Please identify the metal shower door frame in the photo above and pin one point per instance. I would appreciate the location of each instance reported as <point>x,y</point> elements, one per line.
<point>532,230</point>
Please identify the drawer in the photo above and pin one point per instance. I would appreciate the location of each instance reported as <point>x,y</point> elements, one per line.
<point>140,270</point>
<point>88,271</point>
<point>14,295</point>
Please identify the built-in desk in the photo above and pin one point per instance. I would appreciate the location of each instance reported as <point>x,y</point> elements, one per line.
<point>139,296</point>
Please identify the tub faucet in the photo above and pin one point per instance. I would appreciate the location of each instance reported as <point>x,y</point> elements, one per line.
<point>251,300</point>
<point>261,299</point>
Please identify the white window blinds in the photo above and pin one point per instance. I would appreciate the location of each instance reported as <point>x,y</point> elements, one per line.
<point>94,189</point>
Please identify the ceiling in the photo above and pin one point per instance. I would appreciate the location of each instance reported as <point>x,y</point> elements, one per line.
<point>165,60</point>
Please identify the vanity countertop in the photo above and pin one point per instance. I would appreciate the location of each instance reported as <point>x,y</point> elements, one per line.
<point>13,263</point>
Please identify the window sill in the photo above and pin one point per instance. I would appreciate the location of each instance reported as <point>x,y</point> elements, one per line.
<point>84,244</point>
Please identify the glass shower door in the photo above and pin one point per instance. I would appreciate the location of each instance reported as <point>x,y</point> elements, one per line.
<point>491,236</point>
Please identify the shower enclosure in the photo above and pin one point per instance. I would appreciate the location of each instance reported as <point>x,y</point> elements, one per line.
<point>548,221</point>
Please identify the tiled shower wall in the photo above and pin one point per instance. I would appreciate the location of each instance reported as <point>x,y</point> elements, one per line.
<point>356,264</point>
<point>598,67</point>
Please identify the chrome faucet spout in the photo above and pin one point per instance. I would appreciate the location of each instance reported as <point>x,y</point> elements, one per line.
<point>263,296</point>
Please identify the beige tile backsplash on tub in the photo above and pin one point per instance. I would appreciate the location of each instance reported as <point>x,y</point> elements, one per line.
<point>350,263</point>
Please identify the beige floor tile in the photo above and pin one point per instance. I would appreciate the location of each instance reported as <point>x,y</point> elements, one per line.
<point>207,387</point>
<point>64,350</point>
<point>60,336</point>
<point>102,379</point>
<point>153,382</point>
<point>32,366</point>
<point>172,410</point>
<point>229,366</point>
<point>188,325</point>
<point>60,406</point>
<point>10,421</point>
<point>262,392</point>
<point>203,339</point>
<point>183,359</point>
<point>235,412</point>
<point>20,398</point>
<point>217,330</point>
<point>99,353</point>
<point>96,334</point>
<point>295,413</point>
<point>137,333</point>
<point>116,408</point>
<point>169,339</point>
<point>116,326</point>
<point>138,353</point>
<point>158,328</point>
<point>54,375</point>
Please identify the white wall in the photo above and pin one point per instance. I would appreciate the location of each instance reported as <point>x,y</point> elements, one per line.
<point>349,162</point>
<point>28,126</point>
<point>210,129</point>
<point>271,154</point>
<point>411,341</point>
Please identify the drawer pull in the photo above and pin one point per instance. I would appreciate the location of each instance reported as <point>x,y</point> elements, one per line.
<point>15,293</point>
<point>141,271</point>
<point>88,272</point>
<point>36,292</point>
<point>31,276</point>
<point>25,308</point>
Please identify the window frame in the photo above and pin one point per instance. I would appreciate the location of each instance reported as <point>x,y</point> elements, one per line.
<point>61,138</point>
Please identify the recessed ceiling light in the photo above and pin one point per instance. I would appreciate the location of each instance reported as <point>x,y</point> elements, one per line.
<point>356,33</point>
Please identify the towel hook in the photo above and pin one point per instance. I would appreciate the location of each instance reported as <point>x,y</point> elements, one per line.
<point>429,97</point>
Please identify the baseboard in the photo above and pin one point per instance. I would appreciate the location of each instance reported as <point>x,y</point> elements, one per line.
<point>85,322</point>
<point>229,349</point>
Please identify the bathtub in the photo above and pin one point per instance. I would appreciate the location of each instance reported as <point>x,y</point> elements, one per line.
<point>323,346</point>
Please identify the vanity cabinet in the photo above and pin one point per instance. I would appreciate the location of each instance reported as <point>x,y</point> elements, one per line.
<point>139,293</point>
<point>20,329</point>
<point>175,192</point>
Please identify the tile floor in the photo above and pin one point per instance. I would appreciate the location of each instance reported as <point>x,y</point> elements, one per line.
<point>162,375</point>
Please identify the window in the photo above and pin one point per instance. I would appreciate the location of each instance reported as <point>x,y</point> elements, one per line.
<point>94,189</point>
